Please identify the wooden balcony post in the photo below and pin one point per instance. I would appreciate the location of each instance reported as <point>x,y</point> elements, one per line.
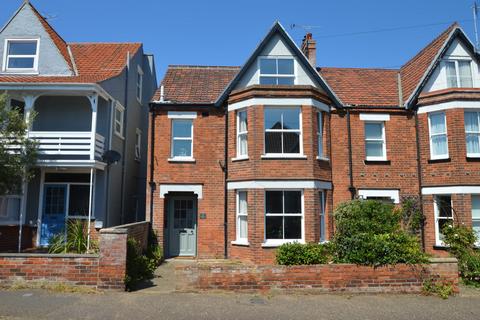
<point>94,103</point>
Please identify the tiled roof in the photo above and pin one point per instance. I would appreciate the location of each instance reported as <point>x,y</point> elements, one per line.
<point>354,86</point>
<point>413,71</point>
<point>363,87</point>
<point>95,62</point>
<point>57,40</point>
<point>195,84</point>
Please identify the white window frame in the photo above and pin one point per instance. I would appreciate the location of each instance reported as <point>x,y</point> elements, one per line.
<point>383,140</point>
<point>438,242</point>
<point>441,156</point>
<point>320,146</point>
<point>5,218</point>
<point>180,158</point>
<point>457,71</point>
<point>279,242</point>
<point>380,193</point>
<point>475,219</point>
<point>477,112</point>
<point>138,144</point>
<point>299,130</point>
<point>322,221</point>
<point>268,75</point>
<point>238,239</point>
<point>241,133</point>
<point>139,84</point>
<point>67,198</point>
<point>6,57</point>
<point>120,109</point>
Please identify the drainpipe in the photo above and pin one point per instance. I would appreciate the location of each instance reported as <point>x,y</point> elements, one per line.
<point>125,142</point>
<point>351,188</point>
<point>152,163</point>
<point>419,175</point>
<point>225,172</point>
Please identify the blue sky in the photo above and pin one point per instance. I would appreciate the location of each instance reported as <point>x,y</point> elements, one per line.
<point>223,32</point>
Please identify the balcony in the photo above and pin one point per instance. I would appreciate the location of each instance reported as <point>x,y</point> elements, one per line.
<point>69,144</point>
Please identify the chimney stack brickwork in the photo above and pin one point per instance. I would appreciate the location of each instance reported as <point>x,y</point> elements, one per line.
<point>309,48</point>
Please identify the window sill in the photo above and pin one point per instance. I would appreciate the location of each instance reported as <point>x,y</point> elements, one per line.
<point>278,243</point>
<point>188,160</point>
<point>439,160</point>
<point>473,158</point>
<point>379,162</point>
<point>284,156</point>
<point>239,159</point>
<point>119,136</point>
<point>240,243</point>
<point>323,159</point>
<point>440,247</point>
<point>22,73</point>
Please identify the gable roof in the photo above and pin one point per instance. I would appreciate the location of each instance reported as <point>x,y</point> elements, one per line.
<point>278,28</point>
<point>195,84</point>
<point>364,87</point>
<point>89,62</point>
<point>415,71</point>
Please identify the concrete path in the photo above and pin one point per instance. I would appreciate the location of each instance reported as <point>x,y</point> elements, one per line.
<point>145,304</point>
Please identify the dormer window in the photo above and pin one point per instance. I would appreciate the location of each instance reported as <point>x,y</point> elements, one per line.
<point>21,55</point>
<point>274,71</point>
<point>459,73</point>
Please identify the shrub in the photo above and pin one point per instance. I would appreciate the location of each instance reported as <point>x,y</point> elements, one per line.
<point>303,254</point>
<point>368,233</point>
<point>75,240</point>
<point>141,266</point>
<point>442,288</point>
<point>460,241</point>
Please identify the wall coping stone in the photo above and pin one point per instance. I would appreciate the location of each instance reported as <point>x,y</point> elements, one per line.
<point>114,231</point>
<point>47,255</point>
<point>443,260</point>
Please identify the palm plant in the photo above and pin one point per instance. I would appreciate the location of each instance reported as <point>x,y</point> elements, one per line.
<point>74,240</point>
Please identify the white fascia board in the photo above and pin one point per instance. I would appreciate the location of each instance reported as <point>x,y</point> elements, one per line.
<point>195,188</point>
<point>280,184</point>
<point>449,105</point>
<point>72,164</point>
<point>279,102</point>
<point>451,190</point>
<point>84,88</point>
<point>374,117</point>
<point>393,194</point>
<point>182,115</point>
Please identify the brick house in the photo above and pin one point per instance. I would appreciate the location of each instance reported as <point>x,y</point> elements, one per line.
<point>243,159</point>
<point>91,101</point>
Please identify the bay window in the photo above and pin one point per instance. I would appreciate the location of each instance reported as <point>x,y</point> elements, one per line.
<point>242,218</point>
<point>323,236</point>
<point>283,216</point>
<point>375,146</point>
<point>438,135</point>
<point>476,216</point>
<point>283,131</point>
<point>443,215</point>
<point>242,134</point>
<point>275,71</point>
<point>472,133</point>
<point>459,73</point>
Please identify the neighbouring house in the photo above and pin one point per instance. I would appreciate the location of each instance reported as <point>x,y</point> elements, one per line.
<point>244,159</point>
<point>91,105</point>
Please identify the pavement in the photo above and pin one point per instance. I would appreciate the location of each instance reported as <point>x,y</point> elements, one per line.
<point>144,304</point>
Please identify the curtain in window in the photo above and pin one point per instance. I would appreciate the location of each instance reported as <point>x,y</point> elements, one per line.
<point>438,133</point>
<point>472,132</point>
<point>242,215</point>
<point>451,74</point>
<point>465,73</point>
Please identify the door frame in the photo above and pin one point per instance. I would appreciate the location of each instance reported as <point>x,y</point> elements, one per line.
<point>44,203</point>
<point>170,221</point>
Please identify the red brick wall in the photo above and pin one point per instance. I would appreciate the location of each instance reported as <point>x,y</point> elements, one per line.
<point>208,151</point>
<point>316,278</point>
<point>103,271</point>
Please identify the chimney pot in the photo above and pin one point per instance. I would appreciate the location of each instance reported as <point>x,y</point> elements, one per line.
<point>309,49</point>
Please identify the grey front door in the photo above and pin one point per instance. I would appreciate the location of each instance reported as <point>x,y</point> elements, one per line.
<point>182,226</point>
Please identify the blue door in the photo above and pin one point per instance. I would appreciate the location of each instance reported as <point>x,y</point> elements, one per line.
<point>54,211</point>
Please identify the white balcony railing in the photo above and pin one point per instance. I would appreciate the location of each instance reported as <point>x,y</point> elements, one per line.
<point>68,143</point>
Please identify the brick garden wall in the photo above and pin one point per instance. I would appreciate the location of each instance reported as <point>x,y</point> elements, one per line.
<point>105,270</point>
<point>138,231</point>
<point>317,278</point>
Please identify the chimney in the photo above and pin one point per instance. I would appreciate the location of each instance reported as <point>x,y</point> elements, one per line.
<point>309,49</point>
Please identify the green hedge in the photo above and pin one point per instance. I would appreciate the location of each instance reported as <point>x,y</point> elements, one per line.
<point>302,254</point>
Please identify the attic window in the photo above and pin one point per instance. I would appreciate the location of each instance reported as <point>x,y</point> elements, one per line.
<point>459,73</point>
<point>274,71</point>
<point>21,55</point>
